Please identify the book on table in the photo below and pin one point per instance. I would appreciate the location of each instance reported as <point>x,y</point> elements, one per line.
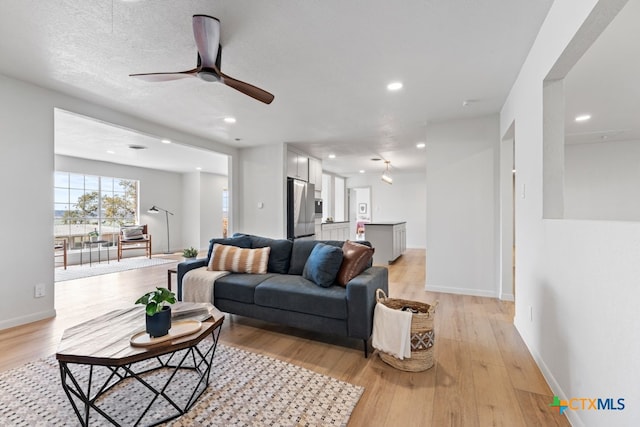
<point>199,311</point>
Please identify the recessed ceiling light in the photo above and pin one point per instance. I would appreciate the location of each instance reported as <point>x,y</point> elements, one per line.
<point>394,86</point>
<point>421,145</point>
<point>165,141</point>
<point>111,152</point>
<point>230,119</point>
<point>361,171</point>
<point>332,156</point>
<point>199,168</point>
<point>583,117</point>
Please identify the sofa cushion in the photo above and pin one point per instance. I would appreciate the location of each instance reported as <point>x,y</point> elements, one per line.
<point>323,265</point>
<point>355,259</point>
<point>295,293</point>
<point>301,251</point>
<point>280,251</point>
<point>239,241</point>
<point>239,286</point>
<point>239,260</point>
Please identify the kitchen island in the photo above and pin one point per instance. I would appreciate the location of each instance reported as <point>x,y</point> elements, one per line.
<point>337,230</point>
<point>388,238</point>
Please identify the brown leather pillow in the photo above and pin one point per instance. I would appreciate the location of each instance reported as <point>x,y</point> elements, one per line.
<point>355,259</point>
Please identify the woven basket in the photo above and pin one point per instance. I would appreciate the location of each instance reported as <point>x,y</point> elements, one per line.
<point>422,334</point>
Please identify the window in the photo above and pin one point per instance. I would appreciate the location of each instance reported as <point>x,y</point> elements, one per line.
<point>85,203</point>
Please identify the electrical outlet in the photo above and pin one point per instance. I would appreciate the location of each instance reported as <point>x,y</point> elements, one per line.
<point>39,290</point>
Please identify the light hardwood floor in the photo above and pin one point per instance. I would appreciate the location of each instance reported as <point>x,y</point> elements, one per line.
<point>483,375</point>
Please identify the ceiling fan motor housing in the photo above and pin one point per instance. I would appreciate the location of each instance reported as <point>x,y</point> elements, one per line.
<point>208,75</point>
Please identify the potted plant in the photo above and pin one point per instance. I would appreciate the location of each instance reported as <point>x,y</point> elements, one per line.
<point>190,252</point>
<point>93,235</point>
<point>158,314</point>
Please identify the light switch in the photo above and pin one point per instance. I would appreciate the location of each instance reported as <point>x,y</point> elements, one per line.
<point>260,205</point>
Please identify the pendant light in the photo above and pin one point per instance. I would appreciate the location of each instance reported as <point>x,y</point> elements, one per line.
<point>386,175</point>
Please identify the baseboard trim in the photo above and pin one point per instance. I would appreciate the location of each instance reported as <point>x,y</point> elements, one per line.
<point>461,291</point>
<point>572,416</point>
<point>33,317</point>
<point>507,297</point>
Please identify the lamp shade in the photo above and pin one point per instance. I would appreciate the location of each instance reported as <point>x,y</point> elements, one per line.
<point>153,209</point>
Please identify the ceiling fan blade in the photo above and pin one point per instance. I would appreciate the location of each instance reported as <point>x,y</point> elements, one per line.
<point>246,88</point>
<point>206,32</point>
<point>165,77</point>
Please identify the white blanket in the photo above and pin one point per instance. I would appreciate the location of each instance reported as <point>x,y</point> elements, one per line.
<point>391,331</point>
<point>197,284</point>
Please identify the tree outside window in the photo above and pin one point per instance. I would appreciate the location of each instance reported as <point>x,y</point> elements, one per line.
<point>86,204</point>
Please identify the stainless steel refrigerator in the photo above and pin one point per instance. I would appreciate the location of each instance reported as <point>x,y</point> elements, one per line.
<point>300,209</point>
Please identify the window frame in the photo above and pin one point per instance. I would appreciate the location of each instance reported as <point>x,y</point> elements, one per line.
<point>90,213</point>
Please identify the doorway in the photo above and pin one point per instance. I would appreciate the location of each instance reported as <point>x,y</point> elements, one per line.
<point>359,211</point>
<point>508,173</point>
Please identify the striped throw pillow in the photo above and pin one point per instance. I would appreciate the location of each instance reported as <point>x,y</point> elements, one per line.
<point>239,260</point>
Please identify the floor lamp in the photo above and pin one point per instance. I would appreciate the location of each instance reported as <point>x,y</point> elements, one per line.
<point>156,209</point>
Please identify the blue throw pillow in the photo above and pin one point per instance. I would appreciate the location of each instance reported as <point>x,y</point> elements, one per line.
<point>323,265</point>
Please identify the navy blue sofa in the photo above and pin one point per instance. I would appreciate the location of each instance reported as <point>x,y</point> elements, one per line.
<point>283,296</point>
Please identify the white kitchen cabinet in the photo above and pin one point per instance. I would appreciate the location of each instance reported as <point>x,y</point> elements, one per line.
<point>297,166</point>
<point>318,229</point>
<point>315,173</point>
<point>389,240</point>
<point>335,231</point>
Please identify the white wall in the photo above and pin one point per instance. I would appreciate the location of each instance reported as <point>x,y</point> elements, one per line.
<point>461,207</point>
<point>26,177</point>
<point>202,207</point>
<point>579,278</point>
<point>26,173</point>
<point>262,182</point>
<point>211,189</point>
<point>602,181</point>
<point>156,188</point>
<point>191,189</point>
<point>404,200</point>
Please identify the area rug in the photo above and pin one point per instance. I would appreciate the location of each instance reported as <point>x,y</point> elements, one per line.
<point>246,389</point>
<point>80,271</point>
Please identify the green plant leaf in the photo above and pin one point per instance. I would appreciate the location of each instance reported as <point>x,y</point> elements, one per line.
<point>152,308</point>
<point>155,300</point>
<point>144,299</point>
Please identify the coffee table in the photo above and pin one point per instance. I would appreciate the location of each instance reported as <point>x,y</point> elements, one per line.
<point>97,362</point>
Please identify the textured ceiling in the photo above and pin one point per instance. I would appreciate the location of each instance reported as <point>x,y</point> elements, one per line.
<point>327,63</point>
<point>79,136</point>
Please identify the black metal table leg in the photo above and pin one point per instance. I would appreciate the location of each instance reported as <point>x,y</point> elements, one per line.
<point>202,362</point>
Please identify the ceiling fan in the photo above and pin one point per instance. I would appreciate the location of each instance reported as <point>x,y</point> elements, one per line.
<point>206,31</point>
